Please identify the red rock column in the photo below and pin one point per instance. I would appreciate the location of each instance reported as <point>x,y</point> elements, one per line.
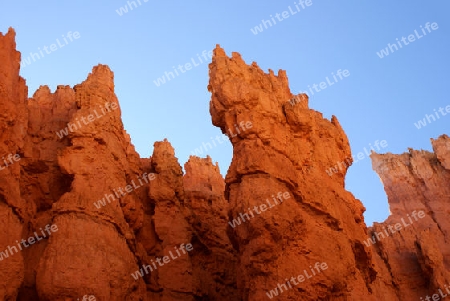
<point>93,250</point>
<point>171,227</point>
<point>13,126</point>
<point>215,261</point>
<point>287,150</point>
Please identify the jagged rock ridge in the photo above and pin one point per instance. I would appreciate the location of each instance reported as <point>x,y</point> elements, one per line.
<point>119,216</point>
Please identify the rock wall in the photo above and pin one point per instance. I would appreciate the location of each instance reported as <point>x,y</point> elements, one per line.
<point>82,214</point>
<point>418,187</point>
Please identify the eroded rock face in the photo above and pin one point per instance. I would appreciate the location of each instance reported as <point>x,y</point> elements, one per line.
<point>113,212</point>
<point>418,255</point>
<point>214,262</point>
<point>286,152</point>
<point>98,160</point>
<point>13,124</point>
<point>122,222</point>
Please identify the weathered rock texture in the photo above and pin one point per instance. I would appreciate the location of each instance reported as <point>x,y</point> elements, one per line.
<point>287,149</point>
<point>13,130</point>
<point>418,255</point>
<point>78,170</point>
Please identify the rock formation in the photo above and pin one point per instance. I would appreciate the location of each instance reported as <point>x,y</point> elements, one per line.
<point>418,255</point>
<point>287,150</point>
<point>13,128</point>
<point>82,214</point>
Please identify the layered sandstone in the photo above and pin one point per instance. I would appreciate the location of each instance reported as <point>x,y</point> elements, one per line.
<point>117,215</point>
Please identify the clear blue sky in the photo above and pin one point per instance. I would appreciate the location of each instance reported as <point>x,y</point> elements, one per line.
<point>380,100</point>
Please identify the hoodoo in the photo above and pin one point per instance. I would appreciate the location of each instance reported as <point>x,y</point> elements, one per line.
<point>175,236</point>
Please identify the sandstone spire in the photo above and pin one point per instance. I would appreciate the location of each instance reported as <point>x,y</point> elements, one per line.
<point>277,226</point>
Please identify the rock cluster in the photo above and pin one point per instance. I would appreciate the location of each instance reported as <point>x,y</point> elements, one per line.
<point>278,226</point>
